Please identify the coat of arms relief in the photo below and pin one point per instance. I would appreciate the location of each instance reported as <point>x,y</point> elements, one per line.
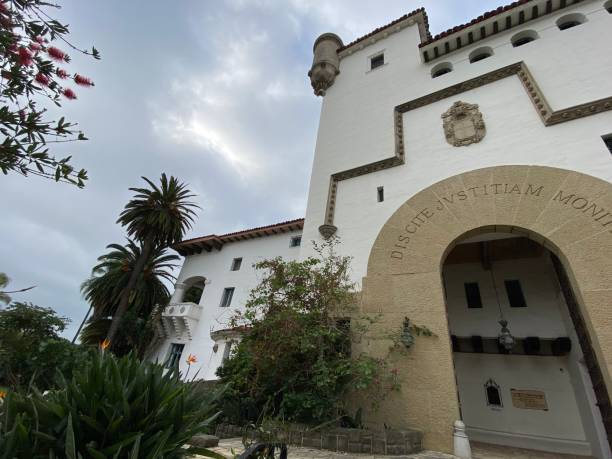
<point>463,124</point>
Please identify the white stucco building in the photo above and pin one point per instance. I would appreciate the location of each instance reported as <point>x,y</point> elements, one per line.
<point>469,177</point>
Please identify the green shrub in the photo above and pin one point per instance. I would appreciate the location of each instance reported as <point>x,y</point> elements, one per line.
<point>111,408</point>
<point>31,350</point>
<point>296,361</point>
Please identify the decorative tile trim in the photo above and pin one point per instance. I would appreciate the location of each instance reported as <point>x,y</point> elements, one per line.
<point>548,116</point>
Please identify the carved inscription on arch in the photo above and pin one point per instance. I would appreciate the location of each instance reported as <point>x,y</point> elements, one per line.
<point>584,206</point>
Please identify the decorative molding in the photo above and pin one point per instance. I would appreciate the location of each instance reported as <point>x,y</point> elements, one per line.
<point>463,124</point>
<point>418,17</point>
<point>548,116</point>
<point>500,20</point>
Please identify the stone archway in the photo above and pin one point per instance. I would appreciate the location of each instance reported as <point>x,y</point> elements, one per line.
<point>568,212</point>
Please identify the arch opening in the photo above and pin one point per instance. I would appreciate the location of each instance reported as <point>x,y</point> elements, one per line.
<point>571,20</point>
<point>480,54</point>
<point>191,291</point>
<point>566,212</point>
<point>525,344</point>
<point>524,37</point>
<point>441,69</point>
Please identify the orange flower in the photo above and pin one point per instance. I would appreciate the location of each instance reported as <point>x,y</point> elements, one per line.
<point>191,359</point>
<point>2,394</point>
<point>104,344</point>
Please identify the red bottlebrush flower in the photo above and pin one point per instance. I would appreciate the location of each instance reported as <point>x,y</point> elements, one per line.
<point>62,73</point>
<point>35,46</point>
<point>39,39</point>
<point>42,79</point>
<point>25,56</point>
<point>69,94</point>
<point>57,54</point>
<point>82,81</point>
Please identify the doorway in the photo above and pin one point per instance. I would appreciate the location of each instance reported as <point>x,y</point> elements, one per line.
<point>526,374</point>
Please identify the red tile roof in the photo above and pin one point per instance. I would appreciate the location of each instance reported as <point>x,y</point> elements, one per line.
<point>442,35</point>
<point>213,241</point>
<point>392,23</point>
<point>482,17</point>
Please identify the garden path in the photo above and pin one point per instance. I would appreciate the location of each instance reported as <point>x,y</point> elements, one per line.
<point>480,451</point>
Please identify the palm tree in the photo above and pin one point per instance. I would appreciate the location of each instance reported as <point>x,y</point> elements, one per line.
<point>156,217</point>
<point>111,276</point>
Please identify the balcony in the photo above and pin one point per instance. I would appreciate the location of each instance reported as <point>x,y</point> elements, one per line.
<point>180,320</point>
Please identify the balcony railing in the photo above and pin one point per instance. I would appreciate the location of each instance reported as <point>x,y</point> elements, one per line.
<point>181,319</point>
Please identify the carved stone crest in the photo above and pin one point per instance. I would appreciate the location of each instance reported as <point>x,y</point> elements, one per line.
<point>463,124</point>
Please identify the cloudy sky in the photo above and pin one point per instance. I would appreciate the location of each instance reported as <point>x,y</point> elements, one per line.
<point>212,91</point>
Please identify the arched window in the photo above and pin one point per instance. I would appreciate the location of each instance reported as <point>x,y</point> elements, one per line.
<point>524,37</point>
<point>193,290</point>
<point>608,6</point>
<point>480,54</point>
<point>441,69</point>
<point>571,20</point>
<point>493,393</point>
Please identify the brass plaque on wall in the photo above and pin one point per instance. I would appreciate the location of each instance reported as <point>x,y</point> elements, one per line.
<point>529,399</point>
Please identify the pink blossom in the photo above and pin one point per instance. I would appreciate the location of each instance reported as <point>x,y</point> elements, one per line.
<point>25,56</point>
<point>69,94</point>
<point>35,46</point>
<point>39,39</point>
<point>82,81</point>
<point>42,79</point>
<point>57,54</point>
<point>62,73</point>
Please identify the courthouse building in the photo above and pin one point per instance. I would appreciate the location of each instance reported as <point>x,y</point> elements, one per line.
<point>469,175</point>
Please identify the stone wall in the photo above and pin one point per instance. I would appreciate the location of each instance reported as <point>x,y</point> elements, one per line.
<point>389,442</point>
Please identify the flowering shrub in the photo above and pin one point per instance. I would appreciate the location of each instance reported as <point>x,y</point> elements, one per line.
<point>32,73</point>
<point>296,362</point>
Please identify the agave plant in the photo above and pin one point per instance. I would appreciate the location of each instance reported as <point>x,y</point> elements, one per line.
<point>119,408</point>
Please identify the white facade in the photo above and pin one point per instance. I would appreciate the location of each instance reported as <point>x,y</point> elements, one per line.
<point>214,268</point>
<point>357,128</point>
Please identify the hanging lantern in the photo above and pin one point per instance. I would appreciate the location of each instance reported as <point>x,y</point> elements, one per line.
<point>505,338</point>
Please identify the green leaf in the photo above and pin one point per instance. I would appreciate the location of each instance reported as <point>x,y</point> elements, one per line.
<point>70,446</point>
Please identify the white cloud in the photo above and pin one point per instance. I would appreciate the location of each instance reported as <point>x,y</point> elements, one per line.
<point>193,129</point>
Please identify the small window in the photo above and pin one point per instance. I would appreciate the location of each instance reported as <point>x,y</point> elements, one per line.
<point>608,6</point>
<point>236,263</point>
<point>472,295</point>
<point>524,37</point>
<point>493,393</point>
<point>174,355</point>
<point>608,141</point>
<point>571,20</point>
<point>380,193</point>
<point>480,54</point>
<point>441,69</point>
<point>295,241</point>
<point>515,294</point>
<point>226,299</point>
<point>377,61</point>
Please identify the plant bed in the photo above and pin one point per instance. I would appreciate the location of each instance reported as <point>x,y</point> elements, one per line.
<point>344,440</point>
